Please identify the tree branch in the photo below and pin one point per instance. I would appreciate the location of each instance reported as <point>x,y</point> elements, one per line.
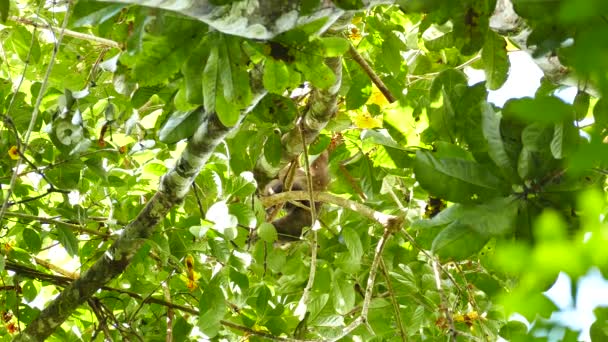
<point>75,227</point>
<point>371,73</point>
<point>322,105</point>
<point>174,186</point>
<point>391,222</point>
<point>70,33</point>
<point>256,19</point>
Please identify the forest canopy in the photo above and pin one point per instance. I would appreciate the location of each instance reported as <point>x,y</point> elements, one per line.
<point>154,154</point>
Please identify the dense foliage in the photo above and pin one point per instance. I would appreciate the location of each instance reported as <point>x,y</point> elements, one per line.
<point>136,141</point>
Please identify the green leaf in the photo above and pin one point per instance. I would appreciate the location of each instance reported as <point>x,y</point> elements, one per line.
<point>495,61</point>
<point>181,125</point>
<point>581,104</point>
<point>496,149</point>
<point>343,296</point>
<point>181,329</point>
<point>353,243</point>
<point>227,71</point>
<point>359,92</point>
<point>267,232</point>
<point>317,72</point>
<point>458,241</point>
<point>391,54</point>
<point>212,308</point>
<point>192,70</point>
<point>22,42</point>
<point>456,180</point>
<point>273,149</point>
<point>557,147</point>
<point>4,9</point>
<point>513,331</point>
<point>542,109</point>
<point>67,238</point>
<point>32,240</point>
<point>493,218</point>
<point>524,163</point>
<point>229,113</point>
<point>97,16</point>
<point>29,291</point>
<point>276,76</point>
<point>334,46</point>
<point>210,80</point>
<point>244,214</point>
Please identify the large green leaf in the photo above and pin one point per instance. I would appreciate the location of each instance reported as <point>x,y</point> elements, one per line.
<point>212,308</point>
<point>276,76</point>
<point>542,109</point>
<point>457,180</point>
<point>210,79</point>
<point>4,8</point>
<point>495,61</point>
<point>458,241</point>
<point>496,149</point>
<point>491,219</point>
<point>181,125</point>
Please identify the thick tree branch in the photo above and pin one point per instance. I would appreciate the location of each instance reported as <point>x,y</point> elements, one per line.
<point>256,19</point>
<point>173,188</point>
<point>322,105</point>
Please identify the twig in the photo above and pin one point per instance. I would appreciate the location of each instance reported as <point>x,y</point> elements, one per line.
<point>372,75</point>
<point>56,268</point>
<point>64,281</point>
<point>41,94</point>
<point>170,313</point>
<point>70,33</point>
<point>195,189</point>
<point>100,318</point>
<point>49,191</point>
<point>369,289</point>
<point>48,220</point>
<point>301,308</point>
<point>444,302</point>
<point>391,292</point>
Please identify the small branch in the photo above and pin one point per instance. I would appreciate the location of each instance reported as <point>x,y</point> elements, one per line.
<point>369,289</point>
<point>49,191</point>
<point>352,182</point>
<point>70,33</point>
<point>302,305</point>
<point>170,313</point>
<point>372,74</point>
<point>100,318</point>
<point>64,281</point>
<point>390,222</point>
<point>41,92</point>
<point>75,227</point>
<point>444,302</point>
<point>391,292</point>
<point>56,268</point>
<point>196,189</point>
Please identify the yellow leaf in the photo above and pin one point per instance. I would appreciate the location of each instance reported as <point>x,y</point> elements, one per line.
<point>366,121</point>
<point>377,98</point>
<point>13,152</point>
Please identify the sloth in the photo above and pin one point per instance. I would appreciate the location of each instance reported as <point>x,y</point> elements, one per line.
<point>289,227</point>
